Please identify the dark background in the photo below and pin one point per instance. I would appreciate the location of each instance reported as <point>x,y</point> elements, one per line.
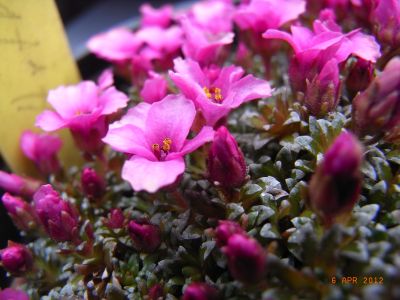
<point>81,19</point>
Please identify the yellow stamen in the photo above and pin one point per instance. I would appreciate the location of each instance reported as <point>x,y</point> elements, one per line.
<point>167,144</point>
<point>155,147</point>
<point>207,92</point>
<point>213,93</point>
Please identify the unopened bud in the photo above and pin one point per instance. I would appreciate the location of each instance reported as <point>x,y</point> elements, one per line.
<point>16,258</point>
<point>22,214</point>
<point>58,217</point>
<point>335,187</point>
<point>145,236</point>
<point>226,163</point>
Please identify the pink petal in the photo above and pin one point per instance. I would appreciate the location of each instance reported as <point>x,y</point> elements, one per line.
<point>150,176</point>
<point>191,69</point>
<point>161,39</point>
<point>106,79</point>
<point>212,112</point>
<point>154,88</point>
<point>364,46</point>
<point>28,144</point>
<point>284,36</point>
<point>208,53</point>
<point>329,73</point>
<point>49,121</point>
<point>129,139</point>
<point>289,10</point>
<point>205,135</point>
<point>214,16</point>
<point>151,16</point>
<point>73,100</point>
<point>247,89</point>
<point>111,100</point>
<point>226,77</point>
<point>189,77</point>
<point>203,46</point>
<point>171,118</point>
<point>301,36</point>
<point>116,45</point>
<point>135,116</point>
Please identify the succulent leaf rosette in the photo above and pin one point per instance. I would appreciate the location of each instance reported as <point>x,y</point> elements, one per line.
<point>233,150</point>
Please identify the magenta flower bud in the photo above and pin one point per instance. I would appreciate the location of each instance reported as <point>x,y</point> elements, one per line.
<point>377,109</point>
<point>200,291</point>
<point>335,187</point>
<point>58,217</point>
<point>322,91</point>
<point>360,75</point>
<point>225,230</point>
<point>17,185</point>
<point>156,292</point>
<point>21,212</point>
<point>42,149</point>
<point>16,258</point>
<point>386,17</point>
<point>12,294</point>
<point>246,258</point>
<point>116,219</point>
<point>92,184</point>
<point>226,163</point>
<point>145,236</point>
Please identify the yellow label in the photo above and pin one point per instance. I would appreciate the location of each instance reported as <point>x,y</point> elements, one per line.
<point>35,57</point>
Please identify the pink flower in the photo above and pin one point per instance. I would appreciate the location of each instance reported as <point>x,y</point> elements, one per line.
<point>257,16</point>
<point>16,258</point>
<point>20,212</point>
<point>83,109</point>
<point>213,16</point>
<point>12,294</point>
<point>151,16</point>
<point>215,94</point>
<point>336,185</point>
<point>326,40</point>
<point>154,88</point>
<point>160,41</point>
<point>252,16</point>
<point>58,216</point>
<point>42,149</point>
<point>317,55</point>
<point>156,136</point>
<point>117,45</point>
<point>202,46</point>
<point>160,47</point>
<point>17,185</point>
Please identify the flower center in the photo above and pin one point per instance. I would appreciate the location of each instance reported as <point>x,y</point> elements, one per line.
<point>213,93</point>
<point>162,152</point>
